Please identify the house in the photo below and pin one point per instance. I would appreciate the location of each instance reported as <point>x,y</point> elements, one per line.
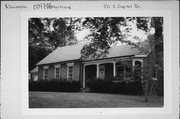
<point>34,74</point>
<point>66,63</point>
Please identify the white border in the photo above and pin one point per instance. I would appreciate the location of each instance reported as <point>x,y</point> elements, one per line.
<point>167,109</point>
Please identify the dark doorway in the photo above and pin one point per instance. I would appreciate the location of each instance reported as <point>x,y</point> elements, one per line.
<point>90,73</point>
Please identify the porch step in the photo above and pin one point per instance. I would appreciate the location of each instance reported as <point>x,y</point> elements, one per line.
<point>85,90</point>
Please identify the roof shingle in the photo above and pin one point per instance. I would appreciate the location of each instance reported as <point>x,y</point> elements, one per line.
<point>73,52</point>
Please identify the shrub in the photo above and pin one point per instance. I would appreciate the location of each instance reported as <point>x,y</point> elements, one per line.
<point>100,86</point>
<point>54,85</point>
<point>121,87</point>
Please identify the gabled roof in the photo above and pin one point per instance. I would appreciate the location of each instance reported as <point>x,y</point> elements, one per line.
<point>34,71</point>
<point>73,52</point>
<point>61,54</point>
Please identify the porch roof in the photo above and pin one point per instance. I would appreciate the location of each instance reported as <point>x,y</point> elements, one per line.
<point>73,52</point>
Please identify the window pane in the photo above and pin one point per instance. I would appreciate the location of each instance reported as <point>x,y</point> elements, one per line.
<point>57,72</point>
<point>46,71</point>
<point>70,72</point>
<point>124,69</point>
<point>70,67</point>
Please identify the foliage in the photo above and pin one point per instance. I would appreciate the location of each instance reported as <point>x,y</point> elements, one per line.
<point>120,87</point>
<point>103,33</point>
<point>52,32</point>
<point>54,85</point>
<point>36,54</point>
<point>100,86</point>
<point>60,31</point>
<point>45,34</point>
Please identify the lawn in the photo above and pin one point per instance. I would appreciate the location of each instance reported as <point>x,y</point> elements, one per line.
<point>89,100</point>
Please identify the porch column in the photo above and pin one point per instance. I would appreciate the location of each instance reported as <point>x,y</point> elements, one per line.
<point>97,71</point>
<point>84,67</point>
<point>114,69</point>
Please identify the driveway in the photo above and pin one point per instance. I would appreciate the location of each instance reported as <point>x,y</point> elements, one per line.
<point>89,100</point>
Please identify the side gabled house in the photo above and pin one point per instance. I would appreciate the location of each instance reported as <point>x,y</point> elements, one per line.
<point>66,63</point>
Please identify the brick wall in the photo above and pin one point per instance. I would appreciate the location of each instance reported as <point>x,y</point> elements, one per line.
<point>63,71</point>
<point>40,72</point>
<point>76,71</point>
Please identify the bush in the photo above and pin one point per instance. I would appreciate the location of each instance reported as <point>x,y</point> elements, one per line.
<point>100,86</point>
<point>120,87</point>
<point>54,85</point>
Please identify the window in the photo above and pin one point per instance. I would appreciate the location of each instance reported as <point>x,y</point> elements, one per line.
<point>120,71</point>
<point>57,76</point>
<point>101,71</point>
<point>70,68</point>
<point>124,69</point>
<point>70,73</point>
<point>57,71</point>
<point>45,72</point>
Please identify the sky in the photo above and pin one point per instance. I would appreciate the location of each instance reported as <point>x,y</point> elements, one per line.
<point>80,35</point>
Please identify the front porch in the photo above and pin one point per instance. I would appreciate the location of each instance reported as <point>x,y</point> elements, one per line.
<point>121,68</point>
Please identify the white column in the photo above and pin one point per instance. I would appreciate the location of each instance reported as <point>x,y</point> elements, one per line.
<point>133,64</point>
<point>84,76</point>
<point>114,69</point>
<point>97,71</point>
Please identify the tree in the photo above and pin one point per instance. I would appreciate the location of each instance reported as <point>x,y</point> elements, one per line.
<point>157,23</point>
<point>156,54</point>
<point>46,34</point>
<point>37,44</point>
<point>104,32</point>
<point>60,32</point>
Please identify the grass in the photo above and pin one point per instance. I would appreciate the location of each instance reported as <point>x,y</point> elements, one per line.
<point>89,100</point>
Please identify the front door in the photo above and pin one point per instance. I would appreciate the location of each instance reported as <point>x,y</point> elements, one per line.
<point>101,71</point>
<point>90,73</point>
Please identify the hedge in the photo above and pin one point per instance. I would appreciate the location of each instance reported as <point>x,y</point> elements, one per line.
<point>96,86</point>
<point>120,87</point>
<point>54,85</point>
